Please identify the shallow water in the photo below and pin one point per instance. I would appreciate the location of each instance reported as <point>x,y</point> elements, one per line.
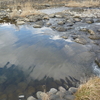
<point>36,57</point>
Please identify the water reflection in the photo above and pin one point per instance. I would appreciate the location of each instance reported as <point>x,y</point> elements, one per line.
<point>34,57</point>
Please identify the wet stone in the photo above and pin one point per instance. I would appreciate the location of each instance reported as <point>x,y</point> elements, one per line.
<point>72,90</point>
<point>61,29</point>
<point>37,26</point>
<point>94,37</point>
<point>80,40</point>
<point>31,98</point>
<point>53,91</point>
<point>69,97</point>
<point>20,22</point>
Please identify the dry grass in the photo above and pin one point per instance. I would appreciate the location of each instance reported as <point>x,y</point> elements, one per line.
<point>22,10</point>
<point>90,90</point>
<point>87,3</point>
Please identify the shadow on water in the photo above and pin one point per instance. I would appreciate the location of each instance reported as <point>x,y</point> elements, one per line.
<point>31,58</point>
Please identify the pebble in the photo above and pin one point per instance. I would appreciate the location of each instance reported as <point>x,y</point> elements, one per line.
<point>53,91</point>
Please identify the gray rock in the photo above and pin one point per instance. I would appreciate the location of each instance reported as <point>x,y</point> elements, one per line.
<point>38,94</point>
<point>61,23</point>
<point>52,15</point>
<point>53,91</point>
<point>89,20</point>
<point>35,18</point>
<point>62,89</point>
<point>98,30</point>
<point>64,37</point>
<point>58,16</point>
<point>70,24</point>
<point>20,22</point>
<point>53,97</point>
<point>84,29</point>
<point>37,26</point>
<point>31,98</point>
<point>26,19</point>
<point>77,19</point>
<point>80,40</point>
<point>72,90</point>
<point>94,37</point>
<point>61,29</point>
<point>69,97</point>
<point>91,32</point>
<point>60,94</point>
<point>48,24</point>
<point>46,17</point>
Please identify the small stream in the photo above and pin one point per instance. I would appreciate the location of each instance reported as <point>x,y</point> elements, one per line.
<point>33,57</point>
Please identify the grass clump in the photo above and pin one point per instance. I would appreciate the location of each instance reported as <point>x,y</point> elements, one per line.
<point>90,90</point>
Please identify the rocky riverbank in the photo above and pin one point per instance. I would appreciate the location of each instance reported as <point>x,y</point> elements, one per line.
<point>81,25</point>
<point>53,94</point>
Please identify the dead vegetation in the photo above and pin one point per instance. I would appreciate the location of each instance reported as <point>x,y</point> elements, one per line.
<point>89,90</point>
<point>84,3</point>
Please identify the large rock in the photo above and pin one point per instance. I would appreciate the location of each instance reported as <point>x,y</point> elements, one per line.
<point>72,90</point>
<point>62,89</point>
<point>61,29</point>
<point>20,22</point>
<point>94,37</point>
<point>53,91</point>
<point>69,97</point>
<point>31,98</point>
<point>80,40</point>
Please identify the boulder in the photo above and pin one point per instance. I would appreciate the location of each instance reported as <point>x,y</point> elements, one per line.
<point>69,97</point>
<point>52,15</point>
<point>20,22</point>
<point>80,40</point>
<point>31,98</point>
<point>53,91</point>
<point>62,89</point>
<point>72,90</point>
<point>61,29</point>
<point>77,19</point>
<point>94,37</point>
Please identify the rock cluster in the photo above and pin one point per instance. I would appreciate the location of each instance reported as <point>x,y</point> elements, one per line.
<point>54,94</point>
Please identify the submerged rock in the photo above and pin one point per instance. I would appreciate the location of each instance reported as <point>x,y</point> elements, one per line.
<point>61,29</point>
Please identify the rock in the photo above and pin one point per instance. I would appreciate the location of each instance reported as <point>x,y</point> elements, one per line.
<point>98,30</point>
<point>44,96</point>
<point>38,94</point>
<point>62,89</point>
<point>48,24</point>
<point>72,90</point>
<point>52,15</point>
<point>37,26</point>
<point>61,29</point>
<point>31,98</point>
<point>90,22</point>
<point>80,41</point>
<point>26,19</point>
<point>97,61</point>
<point>84,29</point>
<point>3,97</point>
<point>69,97</point>
<point>53,97</point>
<point>61,23</point>
<point>20,22</point>
<point>58,16</point>
<point>64,37</point>
<point>46,17</point>
<point>60,94</point>
<point>70,24</point>
<point>91,32</point>
<point>35,18</point>
<point>53,91</point>
<point>39,23</point>
<point>77,19</point>
<point>94,37</point>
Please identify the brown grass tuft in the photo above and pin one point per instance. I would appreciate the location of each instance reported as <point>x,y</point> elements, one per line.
<point>90,90</point>
<point>86,3</point>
